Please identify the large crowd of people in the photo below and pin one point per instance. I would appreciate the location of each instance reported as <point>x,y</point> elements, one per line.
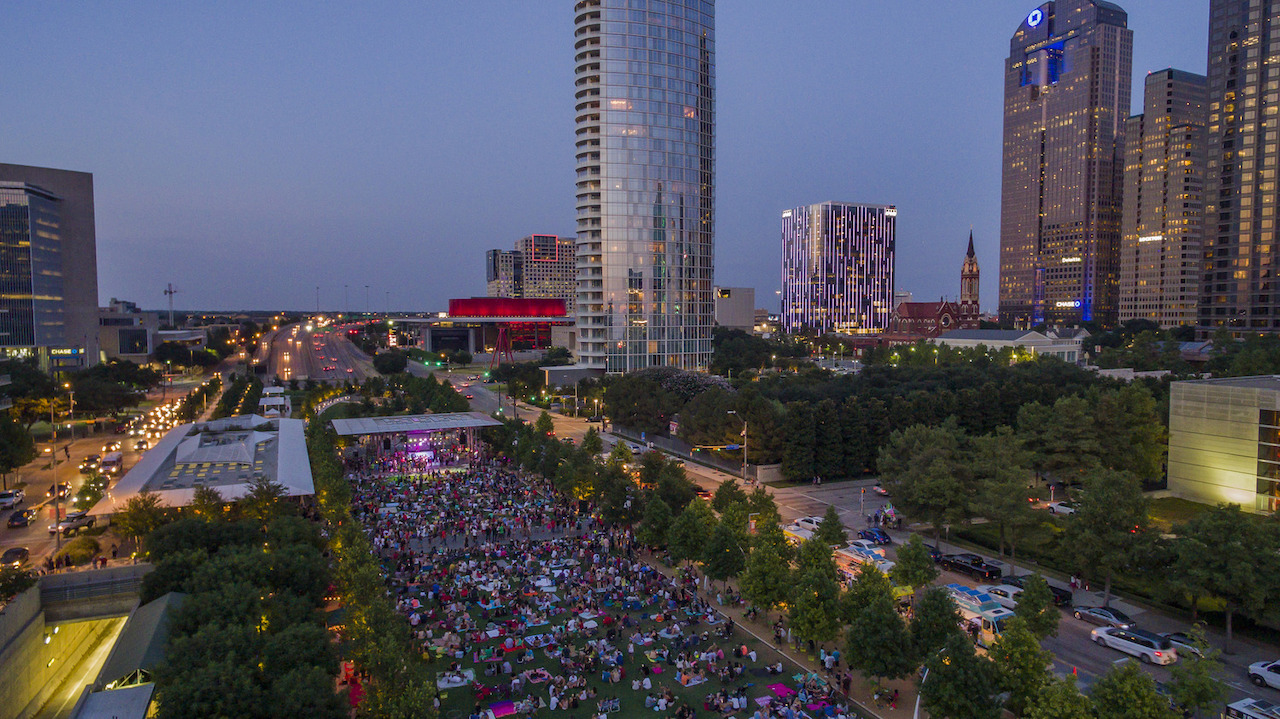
<point>530,606</point>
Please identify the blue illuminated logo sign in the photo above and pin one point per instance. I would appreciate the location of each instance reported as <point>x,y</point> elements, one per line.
<point>1035,18</point>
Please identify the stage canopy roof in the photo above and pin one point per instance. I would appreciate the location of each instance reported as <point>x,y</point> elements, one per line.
<point>403,424</point>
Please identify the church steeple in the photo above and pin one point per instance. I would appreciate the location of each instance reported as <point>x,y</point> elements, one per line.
<point>969,274</point>
<point>969,255</point>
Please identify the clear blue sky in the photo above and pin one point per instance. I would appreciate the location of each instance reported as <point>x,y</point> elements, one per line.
<point>248,151</point>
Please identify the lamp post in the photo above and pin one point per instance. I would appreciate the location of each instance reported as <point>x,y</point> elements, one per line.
<point>744,443</point>
<point>71,393</point>
<point>53,468</point>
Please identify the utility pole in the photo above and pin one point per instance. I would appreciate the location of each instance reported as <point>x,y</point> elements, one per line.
<point>57,494</point>
<point>317,299</point>
<point>170,291</point>
<point>366,299</point>
<point>346,300</point>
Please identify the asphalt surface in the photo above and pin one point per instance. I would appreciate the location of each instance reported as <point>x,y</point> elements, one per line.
<point>323,354</point>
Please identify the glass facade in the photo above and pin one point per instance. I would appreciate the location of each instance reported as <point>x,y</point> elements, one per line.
<point>1066,95</point>
<point>1239,289</point>
<point>1163,224</point>
<point>837,267</point>
<point>31,292</point>
<point>645,160</point>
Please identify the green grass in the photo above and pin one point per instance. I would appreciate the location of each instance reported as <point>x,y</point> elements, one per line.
<point>1168,512</point>
<point>342,410</point>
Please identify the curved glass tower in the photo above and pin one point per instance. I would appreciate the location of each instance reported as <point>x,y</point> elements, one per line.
<point>645,145</point>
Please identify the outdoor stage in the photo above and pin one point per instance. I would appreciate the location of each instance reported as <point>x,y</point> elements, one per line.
<point>428,441</point>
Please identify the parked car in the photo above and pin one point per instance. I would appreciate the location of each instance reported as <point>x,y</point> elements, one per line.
<point>1183,642</point>
<point>72,523</point>
<point>866,546</point>
<point>1061,597</point>
<point>1006,595</point>
<point>970,564</point>
<point>1150,648</point>
<point>1265,674</point>
<point>1062,508</point>
<point>879,536</point>
<point>809,523</point>
<point>15,556</point>
<point>934,554</point>
<point>21,518</point>
<point>1105,616</point>
<point>11,498</point>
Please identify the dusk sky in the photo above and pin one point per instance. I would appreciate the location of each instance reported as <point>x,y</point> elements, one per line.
<point>249,151</point>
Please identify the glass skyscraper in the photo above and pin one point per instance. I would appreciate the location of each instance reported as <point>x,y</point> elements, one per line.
<point>31,298</point>
<point>645,157</point>
<point>1066,97</point>
<point>837,267</point>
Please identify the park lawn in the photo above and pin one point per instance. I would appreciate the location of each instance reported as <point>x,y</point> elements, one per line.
<point>460,701</point>
<point>1168,512</point>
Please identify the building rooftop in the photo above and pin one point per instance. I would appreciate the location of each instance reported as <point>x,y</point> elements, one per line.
<point>1271,382</point>
<point>226,454</point>
<point>412,423</point>
<point>992,335</point>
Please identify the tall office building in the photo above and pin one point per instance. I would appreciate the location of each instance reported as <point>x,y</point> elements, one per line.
<point>503,272</point>
<point>48,267</point>
<point>837,267</point>
<point>645,147</point>
<point>1239,289</point>
<point>548,268</point>
<point>1163,224</point>
<point>1066,97</point>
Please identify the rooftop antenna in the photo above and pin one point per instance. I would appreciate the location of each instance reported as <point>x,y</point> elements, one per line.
<point>170,291</point>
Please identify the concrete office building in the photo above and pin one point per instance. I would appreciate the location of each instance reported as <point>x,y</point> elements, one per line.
<point>644,87</point>
<point>126,332</point>
<point>837,267</point>
<point>48,267</point>
<point>503,272</point>
<point>1163,224</point>
<point>548,268</point>
<point>1066,97</point>
<point>1224,441</point>
<point>1239,289</point>
<point>736,308</point>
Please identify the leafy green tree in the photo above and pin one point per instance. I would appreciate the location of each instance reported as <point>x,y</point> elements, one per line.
<point>831,529</point>
<point>868,583</point>
<point>935,621</point>
<point>723,559</point>
<point>797,451</point>
<point>657,522</point>
<point>925,472</point>
<point>828,441</point>
<point>1127,692</point>
<point>674,486</point>
<point>544,426</point>
<point>619,455</point>
<point>141,515</point>
<point>1108,525</point>
<point>264,502</point>
<point>960,684</point>
<point>207,503</point>
<point>1194,685</point>
<point>1060,699</point>
<point>767,578</point>
<point>390,361</point>
<point>728,493</point>
<point>1002,475</point>
<point>877,642</point>
<point>592,445</point>
<point>690,531</point>
<point>815,607</point>
<point>16,446</point>
<point>1130,434</point>
<point>1062,439</point>
<point>1022,667</point>
<point>1035,607</point>
<point>761,503</point>
<point>14,581</point>
<point>814,556</point>
<point>915,567</point>
<point>1217,555</point>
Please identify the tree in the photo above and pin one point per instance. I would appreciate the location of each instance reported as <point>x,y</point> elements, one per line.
<point>761,503</point>
<point>592,445</point>
<point>544,426</point>
<point>767,579</point>
<point>723,559</point>
<point>1127,692</point>
<point>1062,438</point>
<point>207,503</point>
<point>815,556</point>
<point>1035,607</point>
<point>831,530</point>
<point>391,361</point>
<point>264,501</point>
<point>620,454</point>
<point>797,451</point>
<point>1129,432</point>
<point>828,441</point>
<point>915,567</point>
<point>1195,686</point>
<point>1218,554</point>
<point>877,642</point>
<point>16,447</point>
<point>656,523</point>
<point>935,621</point>
<point>1000,469</point>
<point>141,515</point>
<point>815,607</point>
<point>728,493</point>
<point>1060,699</point>
<point>1022,667</point>
<point>690,531</point>
<point>924,471</point>
<point>960,684</point>
<point>1108,524</point>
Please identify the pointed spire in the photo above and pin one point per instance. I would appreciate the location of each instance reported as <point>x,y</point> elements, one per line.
<point>970,252</point>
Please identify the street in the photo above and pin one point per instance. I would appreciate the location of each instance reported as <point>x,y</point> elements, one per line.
<point>322,354</point>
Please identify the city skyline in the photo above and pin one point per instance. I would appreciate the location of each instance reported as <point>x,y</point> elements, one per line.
<point>341,155</point>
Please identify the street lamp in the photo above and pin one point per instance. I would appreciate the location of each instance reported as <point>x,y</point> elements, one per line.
<point>744,443</point>
<point>72,399</point>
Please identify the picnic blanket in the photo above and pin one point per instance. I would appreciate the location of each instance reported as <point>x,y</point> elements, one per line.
<point>780,690</point>
<point>450,680</point>
<point>502,709</point>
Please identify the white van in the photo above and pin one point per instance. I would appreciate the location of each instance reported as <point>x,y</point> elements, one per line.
<point>1150,648</point>
<point>1251,709</point>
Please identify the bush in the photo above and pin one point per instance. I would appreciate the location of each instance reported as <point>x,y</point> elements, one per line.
<point>80,550</point>
<point>390,362</point>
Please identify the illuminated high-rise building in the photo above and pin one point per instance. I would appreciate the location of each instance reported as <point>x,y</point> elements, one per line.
<point>1163,224</point>
<point>837,267</point>
<point>540,266</point>
<point>644,74</point>
<point>1239,288</point>
<point>1066,99</point>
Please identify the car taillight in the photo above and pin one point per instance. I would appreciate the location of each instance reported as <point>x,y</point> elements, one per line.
<point>1159,654</point>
